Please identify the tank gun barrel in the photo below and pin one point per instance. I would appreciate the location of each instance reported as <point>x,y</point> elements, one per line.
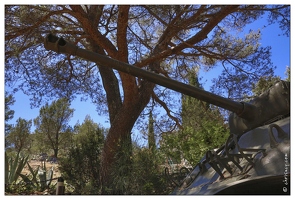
<point>270,105</point>
<point>59,45</point>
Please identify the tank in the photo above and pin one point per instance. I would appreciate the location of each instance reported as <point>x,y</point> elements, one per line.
<point>256,156</point>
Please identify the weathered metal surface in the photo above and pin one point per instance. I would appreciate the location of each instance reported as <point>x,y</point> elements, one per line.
<point>268,150</point>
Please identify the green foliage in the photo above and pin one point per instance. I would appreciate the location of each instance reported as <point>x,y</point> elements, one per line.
<point>151,133</point>
<point>80,167</point>
<point>19,134</point>
<point>39,144</point>
<point>40,182</point>
<point>148,177</point>
<point>9,101</point>
<point>139,171</point>
<point>52,124</point>
<point>32,178</point>
<point>148,172</point>
<point>122,168</point>
<point>210,135</point>
<point>13,168</point>
<point>288,73</point>
<point>192,142</point>
<point>86,129</point>
<point>203,129</point>
<point>145,176</point>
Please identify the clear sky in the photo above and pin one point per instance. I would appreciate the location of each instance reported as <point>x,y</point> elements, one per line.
<point>271,36</point>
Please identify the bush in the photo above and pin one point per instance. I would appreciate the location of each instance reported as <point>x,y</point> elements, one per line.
<point>148,173</point>
<point>145,176</point>
<point>80,168</point>
<point>136,171</point>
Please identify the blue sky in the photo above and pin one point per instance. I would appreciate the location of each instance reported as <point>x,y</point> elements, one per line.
<point>270,37</point>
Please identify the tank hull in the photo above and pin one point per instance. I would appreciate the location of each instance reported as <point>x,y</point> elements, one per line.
<point>267,147</point>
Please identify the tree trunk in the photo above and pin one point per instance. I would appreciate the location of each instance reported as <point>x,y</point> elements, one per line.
<point>121,129</point>
<point>122,114</point>
<point>55,152</point>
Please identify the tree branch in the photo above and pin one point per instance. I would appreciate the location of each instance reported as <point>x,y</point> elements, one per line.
<point>163,104</point>
<point>198,37</point>
<point>122,25</point>
<point>98,38</point>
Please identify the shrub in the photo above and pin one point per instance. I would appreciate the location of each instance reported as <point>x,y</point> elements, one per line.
<point>80,168</point>
<point>145,176</point>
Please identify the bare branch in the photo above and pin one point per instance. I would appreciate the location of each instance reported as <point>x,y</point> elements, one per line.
<point>163,104</point>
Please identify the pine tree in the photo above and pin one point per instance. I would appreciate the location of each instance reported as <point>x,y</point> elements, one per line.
<point>151,133</point>
<point>203,125</point>
<point>52,123</point>
<point>9,101</point>
<point>19,134</point>
<point>203,129</point>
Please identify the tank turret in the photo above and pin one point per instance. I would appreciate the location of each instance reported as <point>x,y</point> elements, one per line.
<point>256,157</point>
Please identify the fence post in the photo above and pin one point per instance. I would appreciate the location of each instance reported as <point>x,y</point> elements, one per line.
<point>60,188</point>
